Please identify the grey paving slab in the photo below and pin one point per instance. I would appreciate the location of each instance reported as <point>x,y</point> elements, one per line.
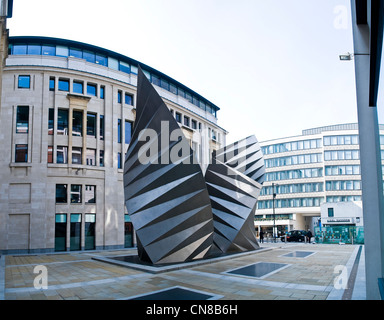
<point>77,275</point>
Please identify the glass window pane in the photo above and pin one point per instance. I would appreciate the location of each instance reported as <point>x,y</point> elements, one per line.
<point>77,155</point>
<point>89,56</point>
<point>77,124</point>
<point>24,82</point>
<point>113,63</point>
<point>21,153</point>
<point>124,67</point>
<point>22,119</point>
<point>62,154</point>
<point>102,60</point>
<point>62,122</point>
<point>101,127</point>
<point>91,125</point>
<point>134,69</point>
<point>63,85</point>
<point>19,49</point>
<point>34,49</point>
<point>78,87</point>
<point>128,99</point>
<point>90,194</point>
<point>75,193</point>
<point>51,84</point>
<point>91,157</point>
<point>62,51</point>
<point>50,154</point>
<point>75,53</point>
<point>128,131</point>
<point>91,89</point>
<point>48,50</point>
<point>119,130</point>
<point>61,193</point>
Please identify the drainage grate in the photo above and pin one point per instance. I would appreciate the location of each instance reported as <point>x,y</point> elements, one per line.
<point>176,293</point>
<point>259,270</point>
<point>299,254</point>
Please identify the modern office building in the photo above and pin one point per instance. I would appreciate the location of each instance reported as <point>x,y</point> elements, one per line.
<point>320,168</point>
<point>66,117</point>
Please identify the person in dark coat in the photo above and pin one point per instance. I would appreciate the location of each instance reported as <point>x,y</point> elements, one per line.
<point>261,236</point>
<point>309,236</point>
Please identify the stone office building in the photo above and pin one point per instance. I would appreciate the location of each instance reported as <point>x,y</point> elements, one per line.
<point>66,117</point>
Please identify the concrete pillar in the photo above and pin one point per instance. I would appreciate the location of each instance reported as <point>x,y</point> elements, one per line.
<point>370,160</point>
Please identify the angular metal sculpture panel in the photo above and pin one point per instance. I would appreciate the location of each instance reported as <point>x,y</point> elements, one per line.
<point>178,214</point>
<point>165,192</point>
<point>234,181</point>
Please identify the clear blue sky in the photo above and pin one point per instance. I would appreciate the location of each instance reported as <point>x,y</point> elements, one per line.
<point>272,66</point>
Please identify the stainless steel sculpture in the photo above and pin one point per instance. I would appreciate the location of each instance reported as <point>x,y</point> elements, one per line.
<point>178,214</point>
<point>234,180</point>
<point>165,194</point>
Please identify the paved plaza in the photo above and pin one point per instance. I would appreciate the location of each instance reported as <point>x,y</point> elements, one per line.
<point>299,271</point>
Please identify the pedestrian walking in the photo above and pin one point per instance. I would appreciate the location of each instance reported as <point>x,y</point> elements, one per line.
<point>309,235</point>
<point>261,236</point>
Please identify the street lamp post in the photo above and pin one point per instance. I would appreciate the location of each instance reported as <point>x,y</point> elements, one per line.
<point>273,207</point>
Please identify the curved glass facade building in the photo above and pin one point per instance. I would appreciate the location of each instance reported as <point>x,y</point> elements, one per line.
<point>67,114</point>
<point>309,172</point>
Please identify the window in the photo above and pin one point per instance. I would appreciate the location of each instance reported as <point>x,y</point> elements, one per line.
<point>91,89</point>
<point>89,231</point>
<point>330,212</point>
<point>62,51</point>
<point>78,87</point>
<point>101,127</point>
<point>75,53</point>
<point>51,84</point>
<point>48,50</point>
<point>119,160</point>
<point>119,93</point>
<point>129,99</point>
<point>124,67</point>
<point>90,157</point>
<point>75,231</point>
<point>22,119</point>
<point>60,232</point>
<point>101,60</point>
<point>19,49</point>
<point>34,49</point>
<point>102,92</point>
<point>21,153</point>
<point>62,154</point>
<point>101,158</point>
<point>178,117</point>
<point>186,121</point>
<point>194,124</point>
<point>51,113</point>
<point>62,122</point>
<point>89,56</point>
<point>24,82</point>
<point>61,193</point>
<point>77,157</point>
<point>119,130</point>
<point>50,154</point>
<point>128,131</point>
<point>90,194</point>
<point>63,85</point>
<point>75,193</point>
<point>91,125</point>
<point>77,124</point>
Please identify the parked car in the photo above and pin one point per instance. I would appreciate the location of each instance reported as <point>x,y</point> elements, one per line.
<point>295,235</point>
